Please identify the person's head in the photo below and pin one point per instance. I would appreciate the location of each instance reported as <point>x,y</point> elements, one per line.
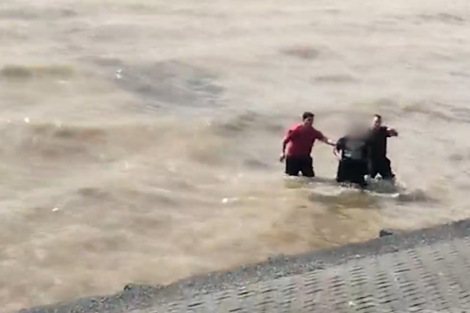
<point>307,118</point>
<point>356,130</point>
<point>376,121</point>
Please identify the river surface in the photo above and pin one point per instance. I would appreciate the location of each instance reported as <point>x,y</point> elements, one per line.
<point>140,138</point>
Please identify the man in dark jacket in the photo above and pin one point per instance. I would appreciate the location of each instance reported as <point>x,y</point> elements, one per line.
<point>378,161</point>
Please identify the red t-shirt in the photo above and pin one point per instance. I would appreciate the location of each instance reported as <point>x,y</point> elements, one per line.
<point>301,139</point>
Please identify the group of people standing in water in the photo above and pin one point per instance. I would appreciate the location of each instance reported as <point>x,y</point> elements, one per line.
<point>361,152</point>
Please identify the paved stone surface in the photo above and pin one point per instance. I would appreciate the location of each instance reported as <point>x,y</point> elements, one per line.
<point>422,271</point>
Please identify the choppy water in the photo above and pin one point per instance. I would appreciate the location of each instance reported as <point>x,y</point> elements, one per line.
<point>125,125</point>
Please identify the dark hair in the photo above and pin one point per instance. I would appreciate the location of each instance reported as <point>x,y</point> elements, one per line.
<point>378,116</point>
<point>307,115</point>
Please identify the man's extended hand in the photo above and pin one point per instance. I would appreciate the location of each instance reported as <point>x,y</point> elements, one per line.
<point>329,141</point>
<point>282,157</point>
<point>393,132</point>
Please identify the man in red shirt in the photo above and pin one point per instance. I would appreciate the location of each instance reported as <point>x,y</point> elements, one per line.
<point>299,142</point>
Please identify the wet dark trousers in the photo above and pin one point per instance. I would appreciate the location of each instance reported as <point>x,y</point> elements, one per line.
<point>352,171</point>
<point>304,165</point>
<point>380,165</point>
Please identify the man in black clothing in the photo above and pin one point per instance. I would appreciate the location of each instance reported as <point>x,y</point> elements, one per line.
<point>352,152</point>
<point>378,161</point>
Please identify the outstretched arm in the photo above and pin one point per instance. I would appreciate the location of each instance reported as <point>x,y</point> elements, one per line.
<point>327,140</point>
<point>392,132</point>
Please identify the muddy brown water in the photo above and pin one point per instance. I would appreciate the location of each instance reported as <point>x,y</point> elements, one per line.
<point>125,125</point>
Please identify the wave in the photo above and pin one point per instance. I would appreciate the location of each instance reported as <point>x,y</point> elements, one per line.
<point>407,109</point>
<point>248,122</point>
<point>164,85</point>
<point>326,191</point>
<point>14,72</point>
<point>165,138</point>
